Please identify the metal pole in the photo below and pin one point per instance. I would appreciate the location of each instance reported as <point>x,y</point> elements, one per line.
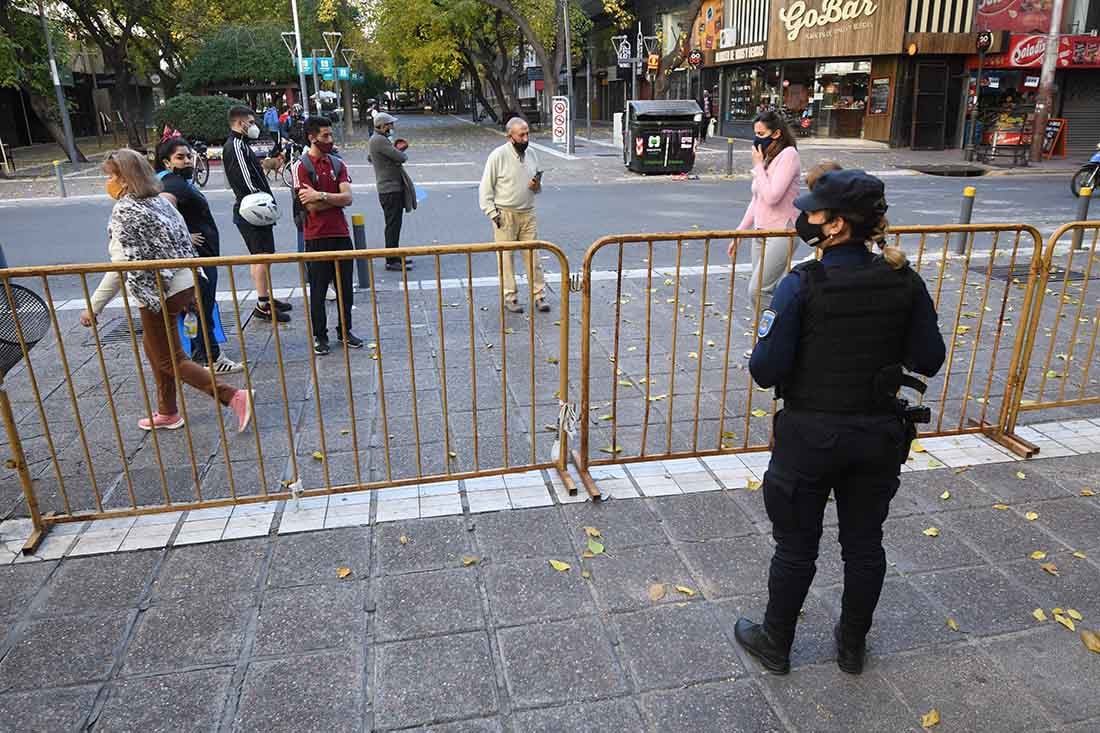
<point>316,85</point>
<point>20,461</point>
<point>60,177</point>
<point>634,63</point>
<point>359,230</point>
<point>969,149</point>
<point>1046,83</point>
<point>70,146</point>
<point>1085,197</point>
<point>729,156</point>
<point>95,100</point>
<point>298,47</point>
<point>588,91</point>
<point>571,141</point>
<point>964,218</point>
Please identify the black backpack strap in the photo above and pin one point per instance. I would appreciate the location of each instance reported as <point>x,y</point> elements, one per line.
<point>310,170</point>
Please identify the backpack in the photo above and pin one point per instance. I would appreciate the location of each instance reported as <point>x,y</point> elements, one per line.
<point>300,212</point>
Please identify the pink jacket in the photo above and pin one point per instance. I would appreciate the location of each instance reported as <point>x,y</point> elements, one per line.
<point>773,193</point>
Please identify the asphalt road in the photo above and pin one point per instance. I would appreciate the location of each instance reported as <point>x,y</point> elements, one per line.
<point>582,201</point>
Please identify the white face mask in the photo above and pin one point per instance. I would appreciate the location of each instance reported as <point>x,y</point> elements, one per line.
<point>252,132</point>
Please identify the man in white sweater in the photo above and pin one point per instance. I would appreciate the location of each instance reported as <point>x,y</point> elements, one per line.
<point>507,196</point>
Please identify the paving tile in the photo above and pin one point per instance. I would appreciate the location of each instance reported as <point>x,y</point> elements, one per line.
<point>301,520</point>
<point>488,501</point>
<point>202,629</point>
<point>516,534</point>
<point>1071,473</point>
<point>421,604</point>
<point>565,661</point>
<point>904,619</point>
<point>530,591</point>
<point>431,544</point>
<point>1077,585</point>
<point>909,550</point>
<point>1075,521</point>
<point>166,703</point>
<point>713,708</point>
<point>397,510</point>
<point>592,717</point>
<point>222,568</point>
<point>924,488</point>
<point>482,725</point>
<point>825,699</point>
<point>97,543</point>
<point>1001,535</point>
<point>248,525</point>
<point>527,497</point>
<point>151,537</point>
<point>1047,663</point>
<point>313,557</point>
<point>310,618</point>
<point>698,517</point>
<point>982,600</point>
<point>68,650</point>
<point>729,567</point>
<point>440,506</point>
<point>47,710</point>
<point>967,687</point>
<point>1002,483</point>
<point>623,524</point>
<point>676,646</point>
<point>416,680</point>
<point>20,583</point>
<point>280,695</point>
<point>621,580</point>
<point>97,583</point>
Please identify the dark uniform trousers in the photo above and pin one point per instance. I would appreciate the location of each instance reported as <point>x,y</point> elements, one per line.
<point>857,458</point>
<point>322,273</point>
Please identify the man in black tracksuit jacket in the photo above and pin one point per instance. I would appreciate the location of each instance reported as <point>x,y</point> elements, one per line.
<point>245,177</point>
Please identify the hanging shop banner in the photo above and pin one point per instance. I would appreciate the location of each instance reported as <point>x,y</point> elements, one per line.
<point>1020,16</point>
<point>343,73</point>
<point>1027,51</point>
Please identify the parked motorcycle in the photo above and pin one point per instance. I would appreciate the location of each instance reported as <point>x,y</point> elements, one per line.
<point>1088,175</point>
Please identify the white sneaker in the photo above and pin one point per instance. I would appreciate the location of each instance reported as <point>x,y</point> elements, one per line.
<point>331,294</point>
<point>225,365</point>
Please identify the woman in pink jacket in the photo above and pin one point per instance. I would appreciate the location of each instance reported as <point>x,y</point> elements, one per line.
<point>776,171</point>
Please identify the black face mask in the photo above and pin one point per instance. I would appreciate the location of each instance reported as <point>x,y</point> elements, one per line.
<point>762,142</point>
<point>811,234</point>
<point>185,173</point>
<point>521,148</point>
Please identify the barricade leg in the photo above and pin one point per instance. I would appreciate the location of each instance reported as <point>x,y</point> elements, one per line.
<point>18,461</point>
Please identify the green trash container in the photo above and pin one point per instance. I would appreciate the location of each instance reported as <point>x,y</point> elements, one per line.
<point>660,136</point>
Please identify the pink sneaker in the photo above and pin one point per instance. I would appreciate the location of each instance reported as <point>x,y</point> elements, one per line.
<point>161,422</point>
<point>241,405</point>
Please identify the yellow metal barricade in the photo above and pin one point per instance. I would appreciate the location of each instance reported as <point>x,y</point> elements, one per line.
<point>1059,367</point>
<point>451,386</point>
<point>669,319</point>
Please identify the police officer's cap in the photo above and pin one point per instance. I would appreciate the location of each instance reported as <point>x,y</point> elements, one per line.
<point>845,190</point>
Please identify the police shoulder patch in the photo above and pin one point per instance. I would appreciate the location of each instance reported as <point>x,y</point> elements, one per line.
<point>767,320</point>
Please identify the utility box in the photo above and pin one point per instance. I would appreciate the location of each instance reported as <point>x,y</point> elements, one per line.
<point>660,136</point>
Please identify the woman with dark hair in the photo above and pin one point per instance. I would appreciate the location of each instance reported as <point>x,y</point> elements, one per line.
<point>776,170</point>
<point>143,227</point>
<point>175,166</point>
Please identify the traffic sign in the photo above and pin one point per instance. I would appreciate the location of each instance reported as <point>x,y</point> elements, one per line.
<point>343,73</point>
<point>324,63</point>
<point>305,66</point>
<point>695,58</point>
<point>984,41</point>
<point>327,76</point>
<point>560,118</point>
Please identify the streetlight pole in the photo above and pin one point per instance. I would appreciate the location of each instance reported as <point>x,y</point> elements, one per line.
<point>588,90</point>
<point>349,104</point>
<point>88,68</point>
<point>1046,83</point>
<point>571,142</point>
<point>296,57</point>
<point>65,124</point>
<point>634,63</point>
<point>316,84</point>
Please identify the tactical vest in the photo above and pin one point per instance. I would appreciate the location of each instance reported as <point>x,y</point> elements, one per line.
<point>854,322</point>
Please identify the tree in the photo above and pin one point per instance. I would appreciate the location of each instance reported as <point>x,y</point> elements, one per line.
<point>240,54</point>
<point>678,54</point>
<point>23,63</point>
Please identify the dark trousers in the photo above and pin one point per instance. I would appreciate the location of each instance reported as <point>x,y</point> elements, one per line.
<point>393,209</point>
<point>321,275</point>
<point>208,288</point>
<point>855,456</point>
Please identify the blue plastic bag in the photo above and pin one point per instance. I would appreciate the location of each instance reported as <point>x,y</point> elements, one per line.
<point>219,332</point>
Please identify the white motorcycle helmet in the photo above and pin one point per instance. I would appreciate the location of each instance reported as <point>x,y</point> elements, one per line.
<point>259,209</point>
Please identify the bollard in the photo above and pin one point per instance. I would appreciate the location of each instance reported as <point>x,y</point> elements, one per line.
<point>1083,200</point>
<point>729,156</point>
<point>60,178</point>
<point>359,229</point>
<point>964,217</point>
<point>3,259</point>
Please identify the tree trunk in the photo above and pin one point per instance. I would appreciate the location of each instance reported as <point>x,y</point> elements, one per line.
<point>550,80</point>
<point>120,98</point>
<point>46,109</point>
<point>479,88</point>
<point>675,57</point>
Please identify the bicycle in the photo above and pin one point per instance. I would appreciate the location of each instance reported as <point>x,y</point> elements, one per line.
<point>202,163</point>
<point>294,152</point>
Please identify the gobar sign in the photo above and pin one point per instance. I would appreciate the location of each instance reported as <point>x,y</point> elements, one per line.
<point>797,16</point>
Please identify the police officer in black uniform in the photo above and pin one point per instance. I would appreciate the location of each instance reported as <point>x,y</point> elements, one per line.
<point>833,344</point>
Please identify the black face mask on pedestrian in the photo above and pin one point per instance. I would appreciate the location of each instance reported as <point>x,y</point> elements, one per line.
<point>762,142</point>
<point>521,147</point>
<point>185,172</point>
<point>811,234</point>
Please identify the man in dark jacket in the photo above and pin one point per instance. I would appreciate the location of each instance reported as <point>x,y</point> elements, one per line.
<point>245,176</point>
<point>388,162</point>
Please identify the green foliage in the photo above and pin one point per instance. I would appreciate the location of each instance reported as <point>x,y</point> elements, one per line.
<point>201,117</point>
<point>23,49</point>
<point>249,54</point>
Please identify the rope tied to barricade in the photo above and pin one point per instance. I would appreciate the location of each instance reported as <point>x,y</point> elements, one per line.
<point>568,417</point>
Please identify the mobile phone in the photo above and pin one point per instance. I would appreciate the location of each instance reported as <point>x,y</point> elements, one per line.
<point>538,176</point>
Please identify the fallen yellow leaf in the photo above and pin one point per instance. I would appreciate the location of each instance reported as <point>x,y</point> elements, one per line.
<point>345,431</point>
<point>1065,622</point>
<point>592,532</point>
<point>1031,516</point>
<point>656,591</point>
<point>403,540</point>
<point>945,495</point>
<point>1021,475</point>
<point>1050,568</point>
<point>1038,555</point>
<point>1058,612</point>
<point>560,566</point>
<point>685,590</point>
<point>1039,615</point>
<point>1001,507</point>
<point>1074,614</point>
<point>693,354</point>
<point>551,360</point>
<point>961,330</point>
<point>585,574</point>
<point>1091,640</point>
<point>452,454</point>
<point>759,413</point>
<point>587,555</point>
<point>343,572</point>
<point>1079,555</point>
<point>469,560</point>
<point>752,484</point>
<point>952,623</point>
<point>930,719</point>
<point>916,447</point>
<point>595,546</point>
<point>1088,492</point>
<point>318,455</point>
<point>932,532</point>
<point>612,449</point>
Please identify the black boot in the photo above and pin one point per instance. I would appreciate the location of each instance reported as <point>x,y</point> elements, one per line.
<point>849,653</point>
<point>773,655</point>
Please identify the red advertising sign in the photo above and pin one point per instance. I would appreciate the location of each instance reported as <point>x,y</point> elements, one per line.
<point>1020,16</point>
<point>1027,51</point>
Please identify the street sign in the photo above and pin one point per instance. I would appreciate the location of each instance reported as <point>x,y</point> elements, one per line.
<point>305,66</point>
<point>343,73</point>
<point>327,76</point>
<point>357,77</point>
<point>560,118</point>
<point>653,62</point>
<point>623,52</point>
<point>984,41</point>
<point>324,64</point>
<point>695,58</point>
